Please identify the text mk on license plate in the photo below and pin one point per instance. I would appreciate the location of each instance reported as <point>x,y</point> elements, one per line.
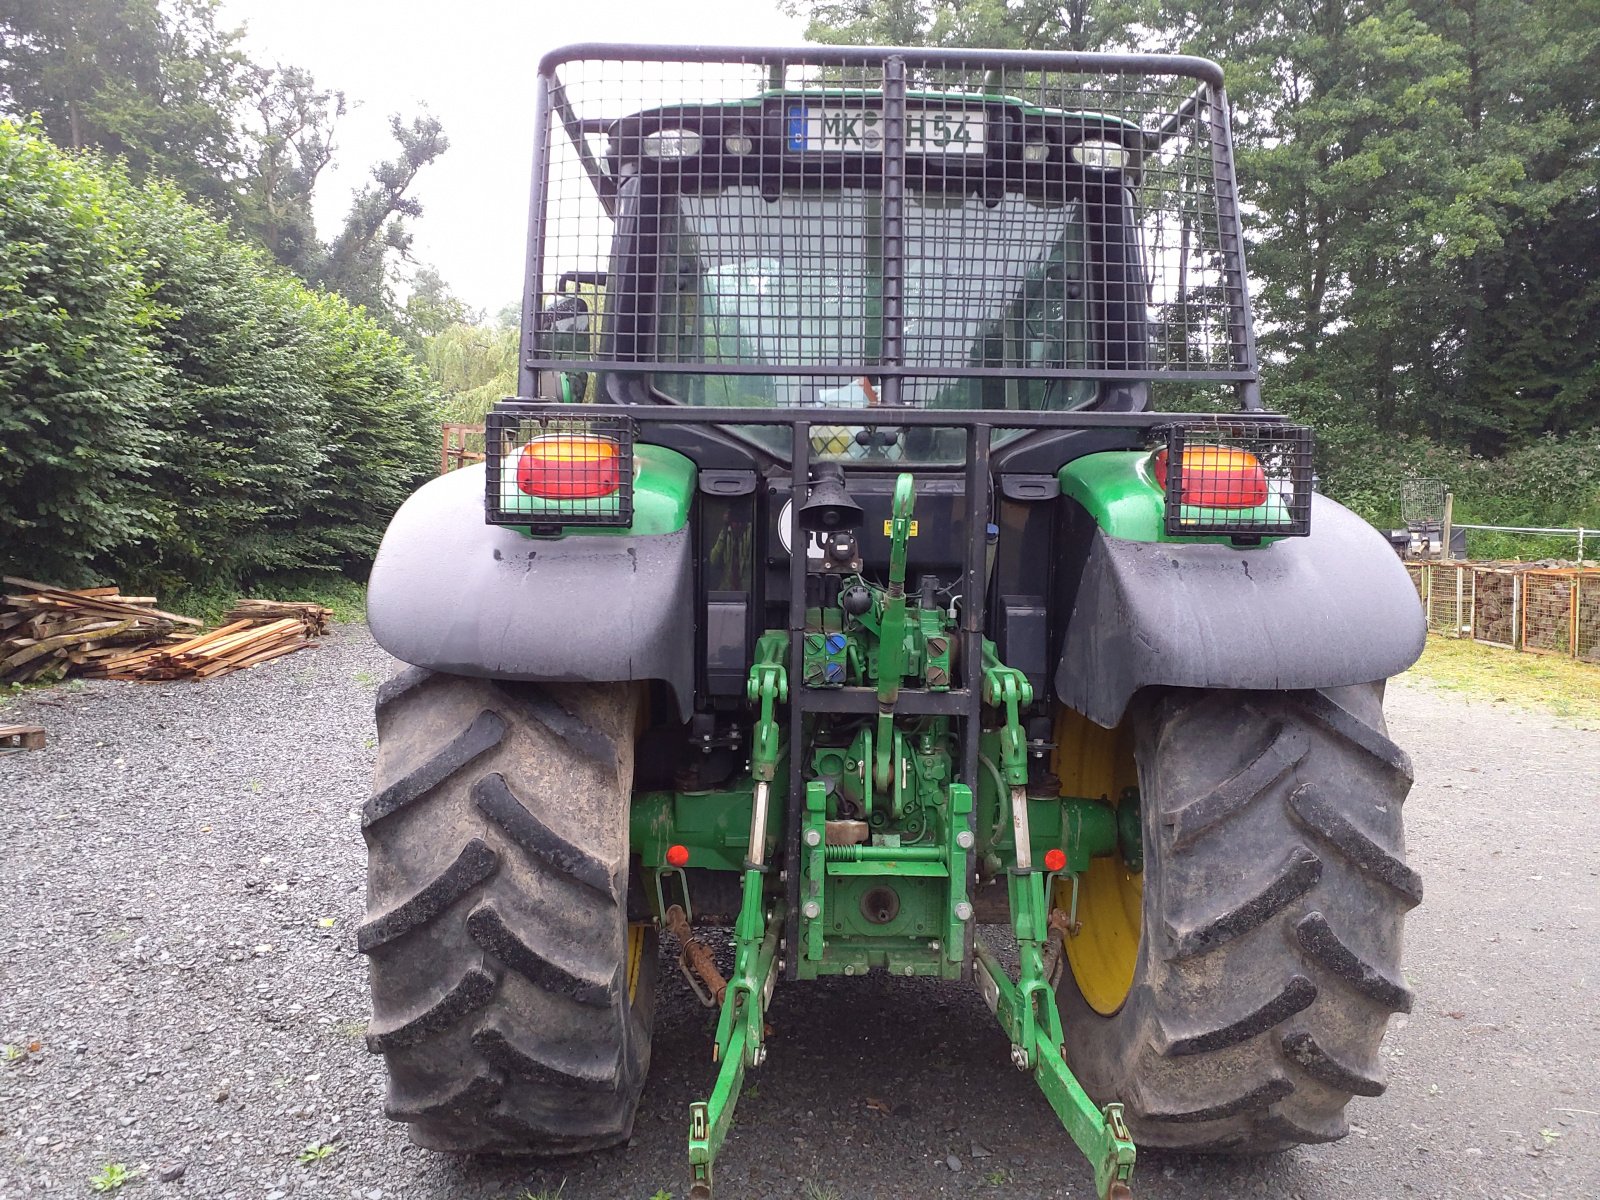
<point>860,130</point>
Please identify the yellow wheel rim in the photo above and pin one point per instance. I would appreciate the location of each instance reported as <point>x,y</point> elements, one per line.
<point>1093,762</point>
<point>636,932</point>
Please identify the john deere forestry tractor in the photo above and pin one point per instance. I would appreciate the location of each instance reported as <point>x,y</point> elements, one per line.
<point>835,579</point>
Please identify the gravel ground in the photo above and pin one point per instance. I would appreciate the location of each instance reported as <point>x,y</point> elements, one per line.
<point>181,881</point>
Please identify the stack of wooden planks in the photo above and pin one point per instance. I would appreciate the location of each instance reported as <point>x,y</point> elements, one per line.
<point>314,617</point>
<point>103,634</point>
<point>242,643</point>
<point>45,629</point>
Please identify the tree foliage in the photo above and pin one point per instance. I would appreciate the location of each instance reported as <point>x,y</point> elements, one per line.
<point>174,405</point>
<point>155,85</point>
<point>83,395</point>
<point>158,84</point>
<point>1422,190</point>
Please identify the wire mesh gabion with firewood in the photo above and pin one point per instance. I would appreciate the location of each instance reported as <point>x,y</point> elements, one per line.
<point>49,632</point>
<point>1524,606</point>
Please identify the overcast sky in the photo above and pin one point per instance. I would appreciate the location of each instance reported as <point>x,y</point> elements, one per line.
<point>471,62</point>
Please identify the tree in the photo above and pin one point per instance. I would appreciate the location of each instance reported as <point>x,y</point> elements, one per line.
<point>376,228</point>
<point>291,124</point>
<point>430,309</point>
<point>81,388</point>
<point>159,85</point>
<point>155,84</point>
<point>174,407</point>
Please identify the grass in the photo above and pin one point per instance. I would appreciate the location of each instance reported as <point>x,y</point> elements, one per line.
<point>111,1177</point>
<point>1541,682</point>
<point>316,1152</point>
<point>819,1191</point>
<point>544,1193</point>
<point>345,597</point>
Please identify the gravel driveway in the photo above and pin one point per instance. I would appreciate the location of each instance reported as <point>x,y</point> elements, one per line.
<point>181,880</point>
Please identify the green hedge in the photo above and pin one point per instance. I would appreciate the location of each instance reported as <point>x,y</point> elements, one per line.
<point>1550,483</point>
<point>175,408</point>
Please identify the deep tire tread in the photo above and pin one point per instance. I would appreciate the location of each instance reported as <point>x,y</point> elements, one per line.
<point>496,800</point>
<point>1302,1050</point>
<point>1318,939</point>
<point>479,1092</point>
<point>481,736</point>
<point>1200,816</point>
<point>1297,994</point>
<point>1321,819</point>
<point>470,993</point>
<point>1257,1099</point>
<point>472,866</point>
<point>583,982</point>
<point>547,1065</point>
<point>500,996</point>
<point>1275,889</point>
<point>1293,879</point>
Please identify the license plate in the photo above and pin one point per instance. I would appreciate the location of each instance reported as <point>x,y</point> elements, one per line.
<point>816,128</point>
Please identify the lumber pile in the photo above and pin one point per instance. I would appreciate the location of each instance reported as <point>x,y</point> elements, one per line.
<point>100,633</point>
<point>242,643</point>
<point>44,629</point>
<point>313,617</point>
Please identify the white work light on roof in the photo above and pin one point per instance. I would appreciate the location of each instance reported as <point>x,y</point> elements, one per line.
<point>672,143</point>
<point>1101,155</point>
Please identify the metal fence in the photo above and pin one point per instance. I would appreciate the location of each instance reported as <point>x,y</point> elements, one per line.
<point>1586,617</point>
<point>1553,611</point>
<point>1586,539</point>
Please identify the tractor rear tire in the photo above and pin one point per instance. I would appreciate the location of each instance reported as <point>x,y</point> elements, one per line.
<point>511,998</point>
<point>1274,889</point>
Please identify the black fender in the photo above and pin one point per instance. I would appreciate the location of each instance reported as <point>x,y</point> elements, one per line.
<point>450,593</point>
<point>1327,610</point>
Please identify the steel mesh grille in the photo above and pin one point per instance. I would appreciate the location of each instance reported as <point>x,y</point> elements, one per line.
<point>1238,477</point>
<point>550,467</point>
<point>771,234</point>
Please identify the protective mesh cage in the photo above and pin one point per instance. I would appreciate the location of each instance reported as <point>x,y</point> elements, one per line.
<point>841,227</point>
<point>1238,477</point>
<point>555,466</point>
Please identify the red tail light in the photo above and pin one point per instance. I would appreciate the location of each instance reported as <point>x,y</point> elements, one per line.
<point>1217,477</point>
<point>569,467</point>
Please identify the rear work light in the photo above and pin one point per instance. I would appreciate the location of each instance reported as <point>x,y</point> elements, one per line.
<point>1248,479</point>
<point>550,467</point>
<point>564,467</point>
<point>1217,477</point>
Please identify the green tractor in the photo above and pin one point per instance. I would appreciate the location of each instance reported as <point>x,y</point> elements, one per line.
<point>835,587</point>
